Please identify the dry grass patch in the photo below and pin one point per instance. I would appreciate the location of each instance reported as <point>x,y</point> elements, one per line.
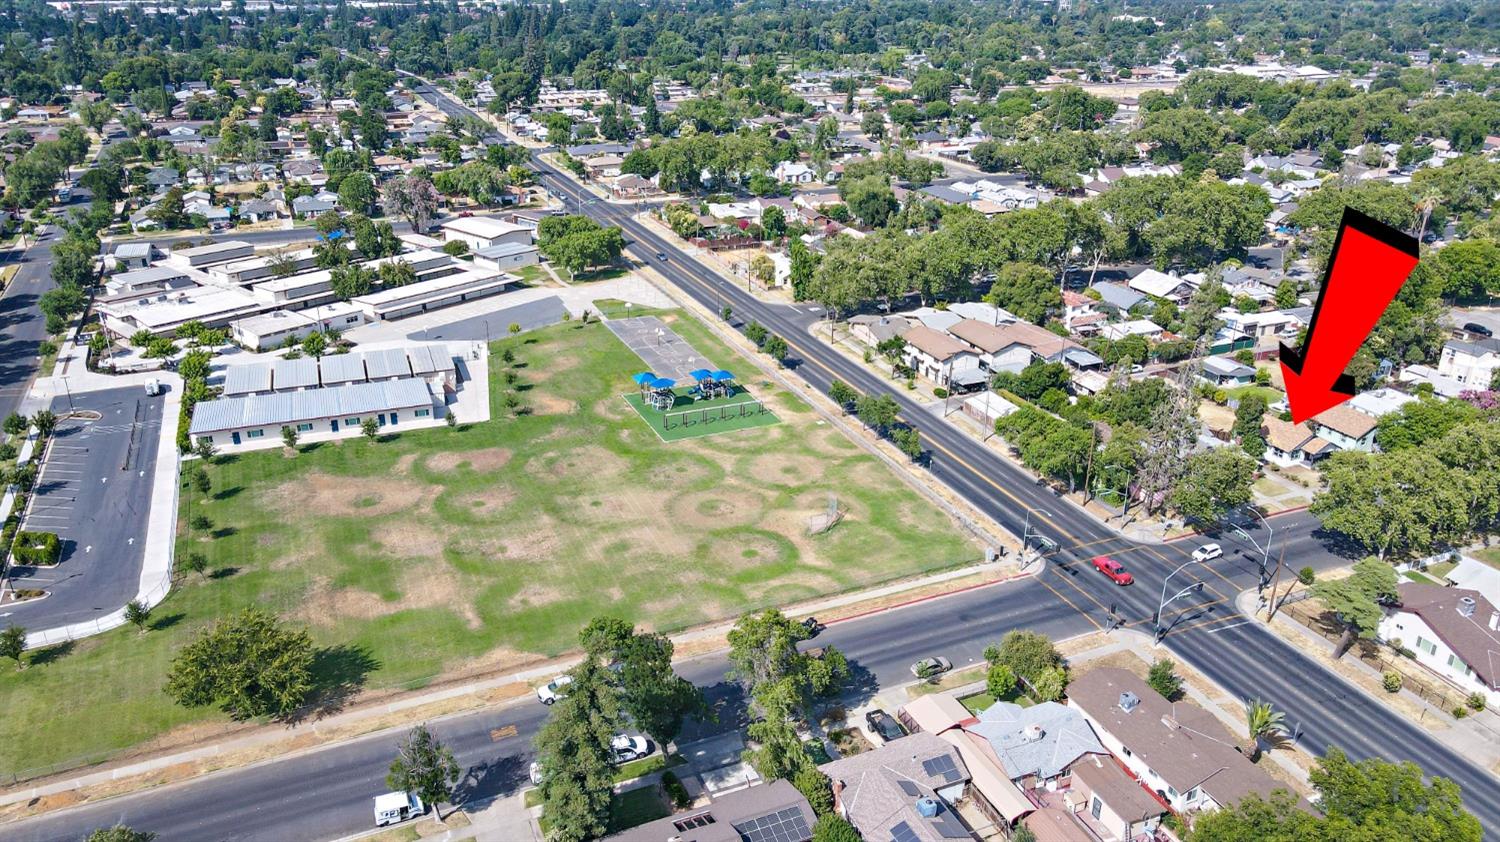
<point>773,468</point>
<point>482,461</point>
<point>337,496</point>
<point>717,509</point>
<point>589,461</point>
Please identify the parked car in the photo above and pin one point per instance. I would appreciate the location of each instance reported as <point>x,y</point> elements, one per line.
<point>394,807</point>
<point>1113,569</point>
<point>625,748</point>
<point>535,773</point>
<point>1207,552</point>
<point>554,690</point>
<point>813,626</point>
<point>884,725</point>
<point>929,667</point>
<point>1476,327</point>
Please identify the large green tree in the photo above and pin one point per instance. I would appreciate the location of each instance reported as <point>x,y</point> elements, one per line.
<point>1214,482</point>
<point>248,664</point>
<point>1356,600</point>
<point>573,753</point>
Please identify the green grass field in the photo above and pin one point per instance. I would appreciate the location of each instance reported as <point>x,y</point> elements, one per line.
<point>449,552</point>
<point>692,419</point>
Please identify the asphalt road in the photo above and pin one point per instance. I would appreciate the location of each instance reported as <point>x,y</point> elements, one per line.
<point>94,491</point>
<point>22,325</point>
<point>327,793</point>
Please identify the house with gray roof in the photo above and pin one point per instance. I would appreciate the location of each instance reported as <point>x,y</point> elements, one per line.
<point>776,812</point>
<point>1118,296</point>
<point>905,790</point>
<point>1036,744</point>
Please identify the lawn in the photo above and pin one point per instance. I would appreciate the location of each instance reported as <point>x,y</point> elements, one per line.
<point>1489,555</point>
<point>1271,395</point>
<point>980,702</point>
<point>462,551</point>
<point>636,807</point>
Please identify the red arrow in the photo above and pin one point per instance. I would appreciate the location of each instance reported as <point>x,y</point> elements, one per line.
<point>1370,262</point>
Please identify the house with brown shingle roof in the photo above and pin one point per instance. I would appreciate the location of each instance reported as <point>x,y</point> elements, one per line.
<point>1345,428</point>
<point>1290,445</point>
<point>938,356</point>
<point>1455,633</point>
<point>1178,750</point>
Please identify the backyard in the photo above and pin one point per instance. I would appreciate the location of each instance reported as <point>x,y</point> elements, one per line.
<point>446,552</point>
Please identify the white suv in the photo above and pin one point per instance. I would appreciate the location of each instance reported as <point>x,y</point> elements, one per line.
<point>1207,552</point>
<point>554,690</point>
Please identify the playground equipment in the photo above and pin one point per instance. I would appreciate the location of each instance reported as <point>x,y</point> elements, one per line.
<point>711,384</point>
<point>661,395</point>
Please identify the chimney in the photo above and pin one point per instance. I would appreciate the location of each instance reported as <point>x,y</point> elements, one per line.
<point>1466,606</point>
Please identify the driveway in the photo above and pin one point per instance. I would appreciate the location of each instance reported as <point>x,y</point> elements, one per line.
<point>94,491</point>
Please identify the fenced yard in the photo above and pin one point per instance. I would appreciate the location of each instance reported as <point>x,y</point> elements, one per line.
<point>439,553</point>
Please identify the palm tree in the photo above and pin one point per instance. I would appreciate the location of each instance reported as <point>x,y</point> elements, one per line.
<point>1428,200</point>
<point>1261,722</point>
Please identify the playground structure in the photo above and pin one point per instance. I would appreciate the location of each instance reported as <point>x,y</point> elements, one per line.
<point>711,384</point>
<point>660,393</point>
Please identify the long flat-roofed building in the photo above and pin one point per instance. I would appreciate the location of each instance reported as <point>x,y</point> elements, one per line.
<point>331,412</point>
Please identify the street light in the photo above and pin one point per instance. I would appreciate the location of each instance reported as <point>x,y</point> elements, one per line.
<point>1026,529</point>
<point>1265,552</point>
<point>1161,607</point>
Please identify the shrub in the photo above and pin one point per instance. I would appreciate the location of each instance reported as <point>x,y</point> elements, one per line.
<point>1001,681</point>
<point>1459,712</point>
<point>37,548</point>
<point>1475,701</point>
<point>675,790</point>
<point>1391,681</point>
<point>201,523</point>
<point>1306,576</point>
<point>940,392</point>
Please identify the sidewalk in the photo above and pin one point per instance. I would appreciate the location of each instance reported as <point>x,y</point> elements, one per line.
<point>1476,736</point>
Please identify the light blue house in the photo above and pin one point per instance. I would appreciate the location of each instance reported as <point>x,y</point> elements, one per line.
<point>1036,745</point>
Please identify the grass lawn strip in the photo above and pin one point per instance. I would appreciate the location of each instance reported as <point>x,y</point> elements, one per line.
<point>452,553</point>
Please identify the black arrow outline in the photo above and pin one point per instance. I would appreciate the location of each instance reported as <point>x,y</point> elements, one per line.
<point>1370,227</point>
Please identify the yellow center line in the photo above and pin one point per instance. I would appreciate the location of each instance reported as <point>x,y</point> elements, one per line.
<point>1042,578</point>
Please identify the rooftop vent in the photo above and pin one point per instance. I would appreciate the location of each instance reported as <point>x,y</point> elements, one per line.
<point>1129,701</point>
<point>928,807</point>
<point>1033,732</point>
<point>1466,606</point>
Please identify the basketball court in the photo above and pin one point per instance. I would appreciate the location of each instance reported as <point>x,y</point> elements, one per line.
<point>659,347</point>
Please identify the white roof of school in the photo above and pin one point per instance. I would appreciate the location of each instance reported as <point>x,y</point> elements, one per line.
<point>483,226</point>
<point>273,410</point>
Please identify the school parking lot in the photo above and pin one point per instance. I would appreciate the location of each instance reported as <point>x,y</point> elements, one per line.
<point>94,491</point>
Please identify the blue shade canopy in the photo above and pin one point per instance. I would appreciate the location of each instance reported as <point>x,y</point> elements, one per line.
<point>721,374</point>
<point>663,383</point>
<point>700,374</point>
<point>643,378</point>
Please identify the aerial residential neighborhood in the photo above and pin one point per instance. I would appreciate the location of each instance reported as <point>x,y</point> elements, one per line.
<point>752,422</point>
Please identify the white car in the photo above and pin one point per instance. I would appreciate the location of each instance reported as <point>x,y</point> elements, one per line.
<point>1207,552</point>
<point>535,773</point>
<point>625,748</point>
<point>554,690</point>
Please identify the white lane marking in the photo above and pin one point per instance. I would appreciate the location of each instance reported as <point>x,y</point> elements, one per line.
<point>1230,626</point>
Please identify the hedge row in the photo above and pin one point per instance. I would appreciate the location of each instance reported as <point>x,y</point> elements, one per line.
<point>37,548</point>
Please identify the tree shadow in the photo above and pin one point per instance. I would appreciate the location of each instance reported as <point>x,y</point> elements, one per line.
<point>488,780</point>
<point>52,654</point>
<point>223,572</point>
<point>311,447</point>
<point>861,686</point>
<point>223,532</point>
<point>167,621</point>
<point>228,493</point>
<point>338,672</point>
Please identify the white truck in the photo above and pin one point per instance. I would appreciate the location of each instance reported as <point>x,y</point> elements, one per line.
<point>153,387</point>
<point>395,807</point>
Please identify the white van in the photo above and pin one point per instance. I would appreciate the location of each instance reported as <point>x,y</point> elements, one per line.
<point>394,807</point>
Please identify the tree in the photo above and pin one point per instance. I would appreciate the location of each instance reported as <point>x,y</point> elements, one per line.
<point>248,664</point>
<point>877,412</point>
<point>1000,681</point>
<point>1164,679</point>
<point>137,614</point>
<point>815,787</point>
<point>16,424</point>
<point>289,437</point>
<point>1249,415</point>
<point>351,281</point>
<point>1050,683</point>
<point>1262,722</point>
<point>1023,834</point>
<point>776,347</point>
<point>1356,600</point>
<point>13,644</point>
<point>45,421</point>
<point>832,827</point>
<point>314,344</point>
<point>573,753</point>
<point>870,199</point>
<point>1026,289</point>
<point>411,197</point>
<point>119,833</point>
<point>1027,654</point>
<point>1286,294</point>
<point>195,562</point>
<point>370,429</point>
<point>804,264</point>
<point>1421,422</point>
<point>756,332</point>
<point>424,766</point>
<point>842,394</point>
<point>357,193</point>
<point>1405,503</point>
<point>773,222</point>
<point>1214,482</point>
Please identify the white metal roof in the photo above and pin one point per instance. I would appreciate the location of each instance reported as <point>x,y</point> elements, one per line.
<point>355,399</point>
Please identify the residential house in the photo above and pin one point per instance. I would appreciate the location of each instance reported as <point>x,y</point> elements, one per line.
<point>1135,327</point>
<point>1378,403</point>
<point>1037,744</point>
<point>132,255</point>
<point>1080,313</point>
<point>775,812</point>
<point>1454,632</point>
<point>1345,428</point>
<point>263,209</point>
<point>1278,323</point>
<point>1111,803</point>
<point>1178,750</point>
<point>1122,298</point>
<point>873,330</point>
<point>1291,445</point>
<point>905,790</point>
<point>938,356</point>
<point>794,172</point>
<point>1226,373</point>
<point>1472,363</point>
<point>990,788</point>
<point>1161,285</point>
<point>318,203</point>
